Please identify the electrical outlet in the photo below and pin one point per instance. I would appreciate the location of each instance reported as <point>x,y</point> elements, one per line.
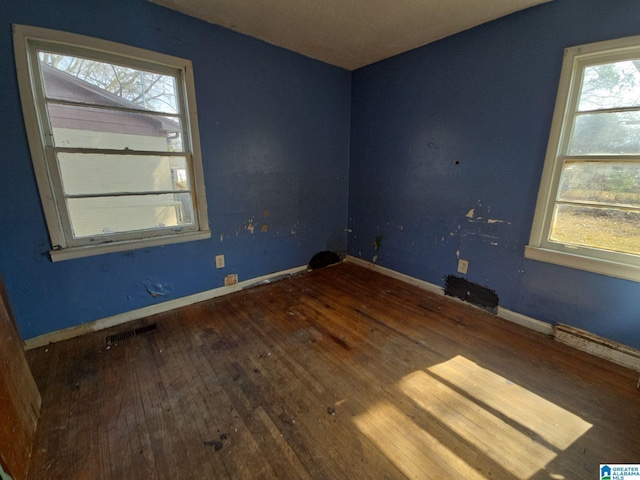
<point>463,266</point>
<point>231,279</point>
<point>219,261</point>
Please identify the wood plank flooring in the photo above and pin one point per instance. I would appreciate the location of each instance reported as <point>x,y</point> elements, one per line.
<point>341,373</point>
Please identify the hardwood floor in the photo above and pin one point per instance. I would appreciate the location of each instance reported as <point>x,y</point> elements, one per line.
<point>338,373</point>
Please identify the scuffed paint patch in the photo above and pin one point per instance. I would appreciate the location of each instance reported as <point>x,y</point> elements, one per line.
<point>471,213</point>
<point>265,228</point>
<point>374,259</point>
<point>251,228</point>
<point>266,213</point>
<point>488,221</point>
<point>458,254</point>
<point>221,237</point>
<point>378,242</point>
<point>156,288</point>
<point>479,235</point>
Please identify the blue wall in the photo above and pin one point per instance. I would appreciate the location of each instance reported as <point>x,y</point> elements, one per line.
<point>461,125</point>
<point>274,129</point>
<point>415,142</point>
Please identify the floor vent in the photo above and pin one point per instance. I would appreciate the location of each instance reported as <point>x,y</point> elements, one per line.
<point>118,337</point>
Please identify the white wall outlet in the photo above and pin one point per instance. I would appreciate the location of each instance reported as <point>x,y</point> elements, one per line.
<point>463,266</point>
<point>219,261</point>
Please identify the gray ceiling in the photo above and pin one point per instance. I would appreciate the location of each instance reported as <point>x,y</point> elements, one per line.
<point>348,33</point>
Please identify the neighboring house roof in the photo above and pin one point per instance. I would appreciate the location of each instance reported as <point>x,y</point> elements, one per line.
<point>62,85</point>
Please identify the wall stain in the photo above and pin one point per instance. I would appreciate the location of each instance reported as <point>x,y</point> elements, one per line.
<point>378,242</point>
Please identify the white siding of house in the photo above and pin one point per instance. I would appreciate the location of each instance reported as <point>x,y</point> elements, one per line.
<point>116,174</point>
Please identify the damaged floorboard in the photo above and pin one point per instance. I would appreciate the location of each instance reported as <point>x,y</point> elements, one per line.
<point>339,373</point>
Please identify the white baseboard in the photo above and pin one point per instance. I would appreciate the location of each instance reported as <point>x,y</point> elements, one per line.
<point>504,313</point>
<point>580,339</point>
<point>397,275</point>
<point>520,319</point>
<point>108,322</point>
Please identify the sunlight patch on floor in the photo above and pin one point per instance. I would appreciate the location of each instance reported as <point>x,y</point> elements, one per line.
<point>552,423</point>
<point>415,452</point>
<point>517,429</point>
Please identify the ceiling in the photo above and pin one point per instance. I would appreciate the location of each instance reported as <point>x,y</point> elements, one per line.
<point>348,33</point>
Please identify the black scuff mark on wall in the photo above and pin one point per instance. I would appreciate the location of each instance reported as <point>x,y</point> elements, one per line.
<point>473,293</point>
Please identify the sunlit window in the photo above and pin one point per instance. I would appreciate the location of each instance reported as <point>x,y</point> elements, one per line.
<point>588,212</point>
<point>113,142</point>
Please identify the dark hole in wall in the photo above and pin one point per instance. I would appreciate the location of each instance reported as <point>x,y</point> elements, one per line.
<point>323,259</point>
<point>471,292</point>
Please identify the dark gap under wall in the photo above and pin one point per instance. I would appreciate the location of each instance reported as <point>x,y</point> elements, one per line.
<point>478,295</point>
<point>323,259</point>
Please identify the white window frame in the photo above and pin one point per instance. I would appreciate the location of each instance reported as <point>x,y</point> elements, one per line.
<point>64,247</point>
<point>616,264</point>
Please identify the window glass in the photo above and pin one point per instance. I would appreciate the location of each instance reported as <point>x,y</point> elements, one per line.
<point>588,211</point>
<point>610,85</point>
<point>94,216</point>
<point>597,227</point>
<point>114,147</point>
<point>107,84</point>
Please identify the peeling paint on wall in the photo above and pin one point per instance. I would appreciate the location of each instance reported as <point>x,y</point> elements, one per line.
<point>156,288</point>
<point>378,242</point>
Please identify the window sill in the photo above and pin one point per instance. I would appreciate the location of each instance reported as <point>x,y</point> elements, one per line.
<point>581,262</point>
<point>122,246</point>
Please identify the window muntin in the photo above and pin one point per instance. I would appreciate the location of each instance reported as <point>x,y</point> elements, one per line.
<point>589,201</point>
<point>114,125</point>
